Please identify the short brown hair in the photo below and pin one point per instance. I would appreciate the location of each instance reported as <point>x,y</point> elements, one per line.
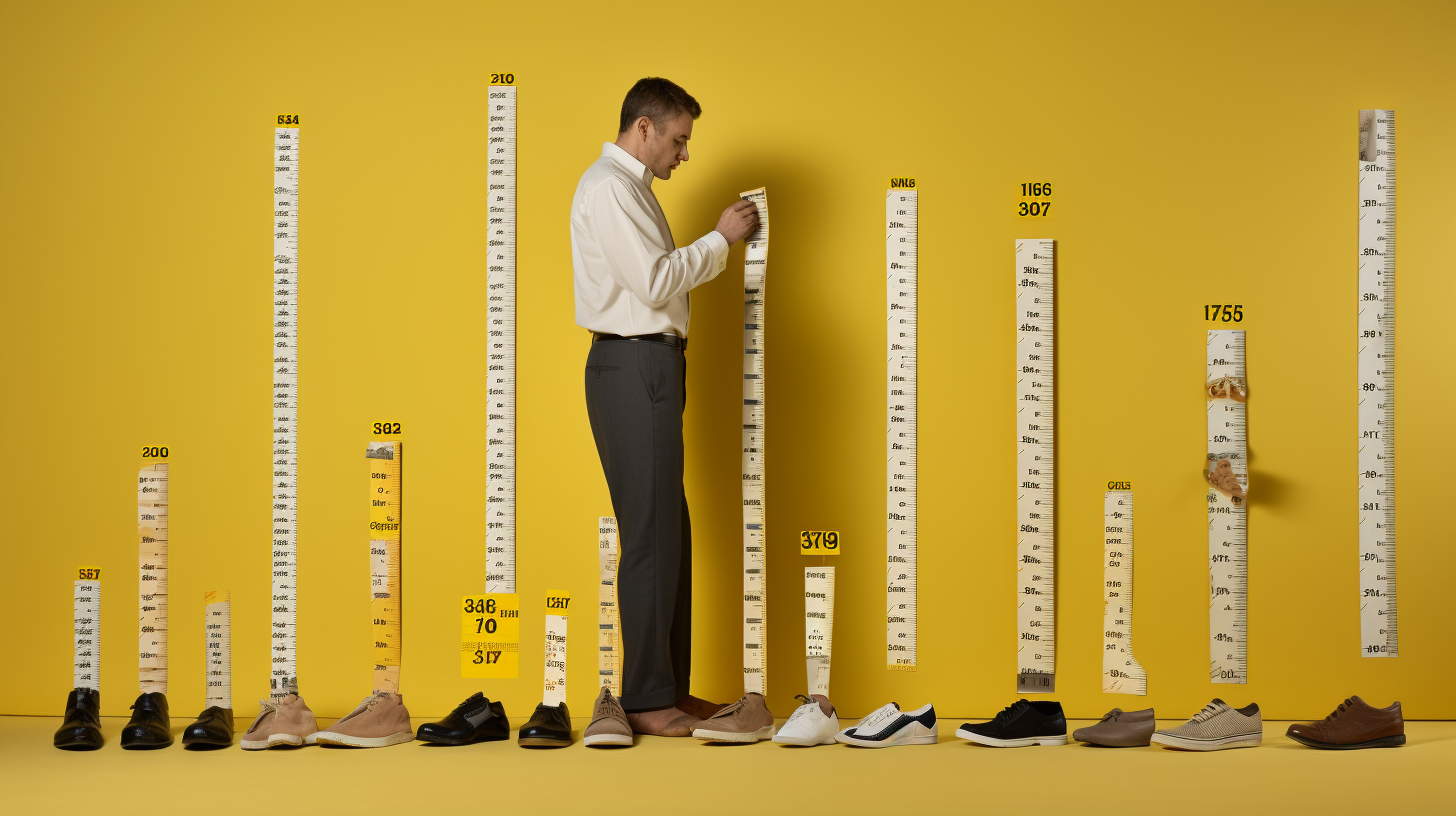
<point>659,100</point>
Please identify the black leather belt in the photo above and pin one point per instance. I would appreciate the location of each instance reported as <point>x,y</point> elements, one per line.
<point>666,338</point>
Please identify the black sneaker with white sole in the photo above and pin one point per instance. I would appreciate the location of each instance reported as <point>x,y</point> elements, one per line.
<point>888,725</point>
<point>1022,723</point>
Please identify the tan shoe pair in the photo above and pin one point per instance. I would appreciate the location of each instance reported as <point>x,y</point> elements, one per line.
<point>287,721</point>
<point>380,720</point>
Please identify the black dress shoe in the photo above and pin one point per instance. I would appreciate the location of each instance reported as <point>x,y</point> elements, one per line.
<point>149,727</point>
<point>214,728</point>
<point>475,720</point>
<point>549,727</point>
<point>82,729</point>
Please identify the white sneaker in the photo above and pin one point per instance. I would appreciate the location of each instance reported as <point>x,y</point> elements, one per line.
<point>890,726</point>
<point>808,725</point>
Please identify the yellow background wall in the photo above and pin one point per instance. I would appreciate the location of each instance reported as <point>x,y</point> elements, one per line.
<point>1199,154</point>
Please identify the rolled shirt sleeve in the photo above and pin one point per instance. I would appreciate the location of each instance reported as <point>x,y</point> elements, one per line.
<point>635,254</point>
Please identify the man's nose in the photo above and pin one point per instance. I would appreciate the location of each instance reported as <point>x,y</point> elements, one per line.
<point>683,156</point>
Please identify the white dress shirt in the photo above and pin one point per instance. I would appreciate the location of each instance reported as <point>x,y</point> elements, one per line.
<point>629,278</point>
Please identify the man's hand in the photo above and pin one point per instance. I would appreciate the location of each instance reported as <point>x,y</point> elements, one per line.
<point>738,221</point>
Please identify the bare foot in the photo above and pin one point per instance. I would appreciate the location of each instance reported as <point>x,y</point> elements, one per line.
<point>698,707</point>
<point>823,702</point>
<point>662,722</point>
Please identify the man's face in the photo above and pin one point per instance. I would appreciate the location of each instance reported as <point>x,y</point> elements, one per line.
<point>668,147</point>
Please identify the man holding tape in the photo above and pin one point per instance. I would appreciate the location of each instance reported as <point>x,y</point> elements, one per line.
<point>632,286</point>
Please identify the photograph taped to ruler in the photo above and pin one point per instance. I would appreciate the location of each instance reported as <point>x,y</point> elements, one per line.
<point>1121,673</point>
<point>902,239</point>
<point>755,554</point>
<point>283,634</point>
<point>1036,617</point>
<point>500,279</point>
<point>1227,472</point>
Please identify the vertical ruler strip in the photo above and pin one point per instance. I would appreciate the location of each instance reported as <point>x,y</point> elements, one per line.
<point>386,524</point>
<point>755,552</point>
<point>902,240</point>
<point>609,621</point>
<point>86,633</point>
<point>1227,391</point>
<point>217,618</point>
<point>558,601</point>
<point>1121,673</point>
<point>1036,618</point>
<point>283,634</point>
<point>152,577</point>
<point>500,277</point>
<point>1376,325</point>
<point>818,626</point>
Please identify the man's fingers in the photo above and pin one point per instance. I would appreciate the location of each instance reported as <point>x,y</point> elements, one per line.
<point>744,204</point>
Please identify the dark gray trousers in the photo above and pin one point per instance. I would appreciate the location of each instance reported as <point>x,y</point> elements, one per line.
<point>635,393</point>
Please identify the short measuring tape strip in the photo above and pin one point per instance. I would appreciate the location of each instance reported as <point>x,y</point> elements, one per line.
<point>902,231</point>
<point>217,619</point>
<point>609,617</point>
<point>283,632</point>
<point>755,552</point>
<point>500,278</point>
<point>1036,618</point>
<point>1227,473</point>
<point>386,497</point>
<point>86,629</point>
<point>558,602</point>
<point>152,577</point>
<point>1378,636</point>
<point>1121,673</point>
<point>818,625</point>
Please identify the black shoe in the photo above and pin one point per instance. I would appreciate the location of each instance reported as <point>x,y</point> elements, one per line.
<point>214,728</point>
<point>475,720</point>
<point>1022,723</point>
<point>549,727</point>
<point>150,727</point>
<point>82,729</point>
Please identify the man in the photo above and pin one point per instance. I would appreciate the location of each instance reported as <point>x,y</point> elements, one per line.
<point>632,286</point>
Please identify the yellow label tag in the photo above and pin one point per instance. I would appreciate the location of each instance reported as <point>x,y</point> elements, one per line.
<point>1119,485</point>
<point>819,542</point>
<point>902,183</point>
<point>287,120</point>
<point>490,636</point>
<point>88,573</point>
<point>387,429</point>
<point>154,451</point>
<point>503,79</point>
<point>557,602</point>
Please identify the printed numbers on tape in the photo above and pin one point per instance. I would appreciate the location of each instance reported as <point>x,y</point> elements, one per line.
<point>1224,312</point>
<point>819,542</point>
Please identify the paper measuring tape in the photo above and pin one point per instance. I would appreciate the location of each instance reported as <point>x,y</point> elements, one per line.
<point>283,632</point>
<point>818,625</point>
<point>500,278</point>
<point>86,629</point>
<point>1036,619</point>
<point>386,493</point>
<point>558,602</point>
<point>902,235</point>
<point>609,616</point>
<point>1121,673</point>
<point>1227,473</point>
<point>755,553</point>
<point>1378,636</point>
<point>217,619</point>
<point>152,578</point>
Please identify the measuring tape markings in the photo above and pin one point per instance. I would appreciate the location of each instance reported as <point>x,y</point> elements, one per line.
<point>217,618</point>
<point>818,626</point>
<point>1226,392</point>
<point>558,603</point>
<point>609,620</point>
<point>902,232</point>
<point>386,522</point>
<point>1035,466</point>
<point>152,577</point>
<point>500,576</point>
<point>1376,424</point>
<point>1121,673</point>
<point>283,635</point>
<point>86,629</point>
<point>755,560</point>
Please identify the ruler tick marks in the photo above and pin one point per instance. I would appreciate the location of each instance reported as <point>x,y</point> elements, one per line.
<point>283,629</point>
<point>902,233</point>
<point>755,559</point>
<point>500,570</point>
<point>1036,618</point>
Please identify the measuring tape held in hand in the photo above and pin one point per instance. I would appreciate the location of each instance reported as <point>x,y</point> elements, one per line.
<point>500,278</point>
<point>86,629</point>
<point>283,630</point>
<point>1121,673</point>
<point>755,554</point>
<point>902,234</point>
<point>152,577</point>
<point>1036,618</point>
<point>609,619</point>
<point>386,526</point>
<point>1227,474</point>
<point>1378,634</point>
<point>217,619</point>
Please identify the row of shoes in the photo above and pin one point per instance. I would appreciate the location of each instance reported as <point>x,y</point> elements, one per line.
<point>1354,724</point>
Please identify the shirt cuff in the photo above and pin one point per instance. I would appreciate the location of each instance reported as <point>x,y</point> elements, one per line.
<point>718,245</point>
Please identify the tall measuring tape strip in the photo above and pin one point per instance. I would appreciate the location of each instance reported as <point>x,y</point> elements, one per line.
<point>818,626</point>
<point>1227,474</point>
<point>558,601</point>
<point>902,234</point>
<point>386,494</point>
<point>1036,619</point>
<point>217,617</point>
<point>283,634</point>
<point>1377,384</point>
<point>609,618</point>
<point>152,577</point>
<point>1121,673</point>
<point>755,553</point>
<point>500,277</point>
<point>86,629</point>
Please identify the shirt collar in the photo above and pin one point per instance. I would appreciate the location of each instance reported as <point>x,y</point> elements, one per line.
<point>628,162</point>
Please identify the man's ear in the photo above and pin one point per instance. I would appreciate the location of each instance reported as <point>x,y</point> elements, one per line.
<point>644,127</point>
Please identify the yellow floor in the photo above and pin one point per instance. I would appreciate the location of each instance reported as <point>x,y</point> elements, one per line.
<point>685,776</point>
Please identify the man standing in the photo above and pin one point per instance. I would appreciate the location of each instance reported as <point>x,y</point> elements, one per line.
<point>632,288</point>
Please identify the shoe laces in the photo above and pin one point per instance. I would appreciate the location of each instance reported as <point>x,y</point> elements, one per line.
<point>803,709</point>
<point>1339,709</point>
<point>604,704</point>
<point>1007,712</point>
<point>1209,711</point>
<point>879,716</point>
<point>266,706</point>
<point>731,708</point>
<point>1111,715</point>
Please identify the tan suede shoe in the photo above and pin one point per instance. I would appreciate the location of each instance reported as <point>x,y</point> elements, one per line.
<point>747,720</point>
<point>380,720</point>
<point>283,722</point>
<point>609,723</point>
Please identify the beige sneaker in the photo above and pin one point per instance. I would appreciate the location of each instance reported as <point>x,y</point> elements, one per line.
<point>1216,727</point>
<point>747,720</point>
<point>609,722</point>
<point>380,720</point>
<point>285,722</point>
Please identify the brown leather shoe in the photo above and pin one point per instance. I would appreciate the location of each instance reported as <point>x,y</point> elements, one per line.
<point>700,708</point>
<point>1355,724</point>
<point>747,720</point>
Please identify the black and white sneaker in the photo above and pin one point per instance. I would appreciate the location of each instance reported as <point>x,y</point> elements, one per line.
<point>889,725</point>
<point>1022,723</point>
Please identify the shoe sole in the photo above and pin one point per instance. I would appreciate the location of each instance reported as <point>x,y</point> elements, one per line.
<point>1187,744</point>
<point>77,746</point>
<point>607,739</point>
<point>902,737</point>
<point>351,741</point>
<point>469,741</point>
<point>1383,742</point>
<point>782,739</point>
<point>542,742</point>
<point>706,735</point>
<point>1053,739</point>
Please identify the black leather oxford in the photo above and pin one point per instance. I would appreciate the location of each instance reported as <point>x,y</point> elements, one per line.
<point>475,720</point>
<point>81,730</point>
<point>149,727</point>
<point>549,727</point>
<point>213,729</point>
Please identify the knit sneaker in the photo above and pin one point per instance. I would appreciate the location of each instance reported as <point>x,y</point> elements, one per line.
<point>1215,728</point>
<point>809,725</point>
<point>285,722</point>
<point>747,720</point>
<point>380,720</point>
<point>887,726</point>
<point>609,722</point>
